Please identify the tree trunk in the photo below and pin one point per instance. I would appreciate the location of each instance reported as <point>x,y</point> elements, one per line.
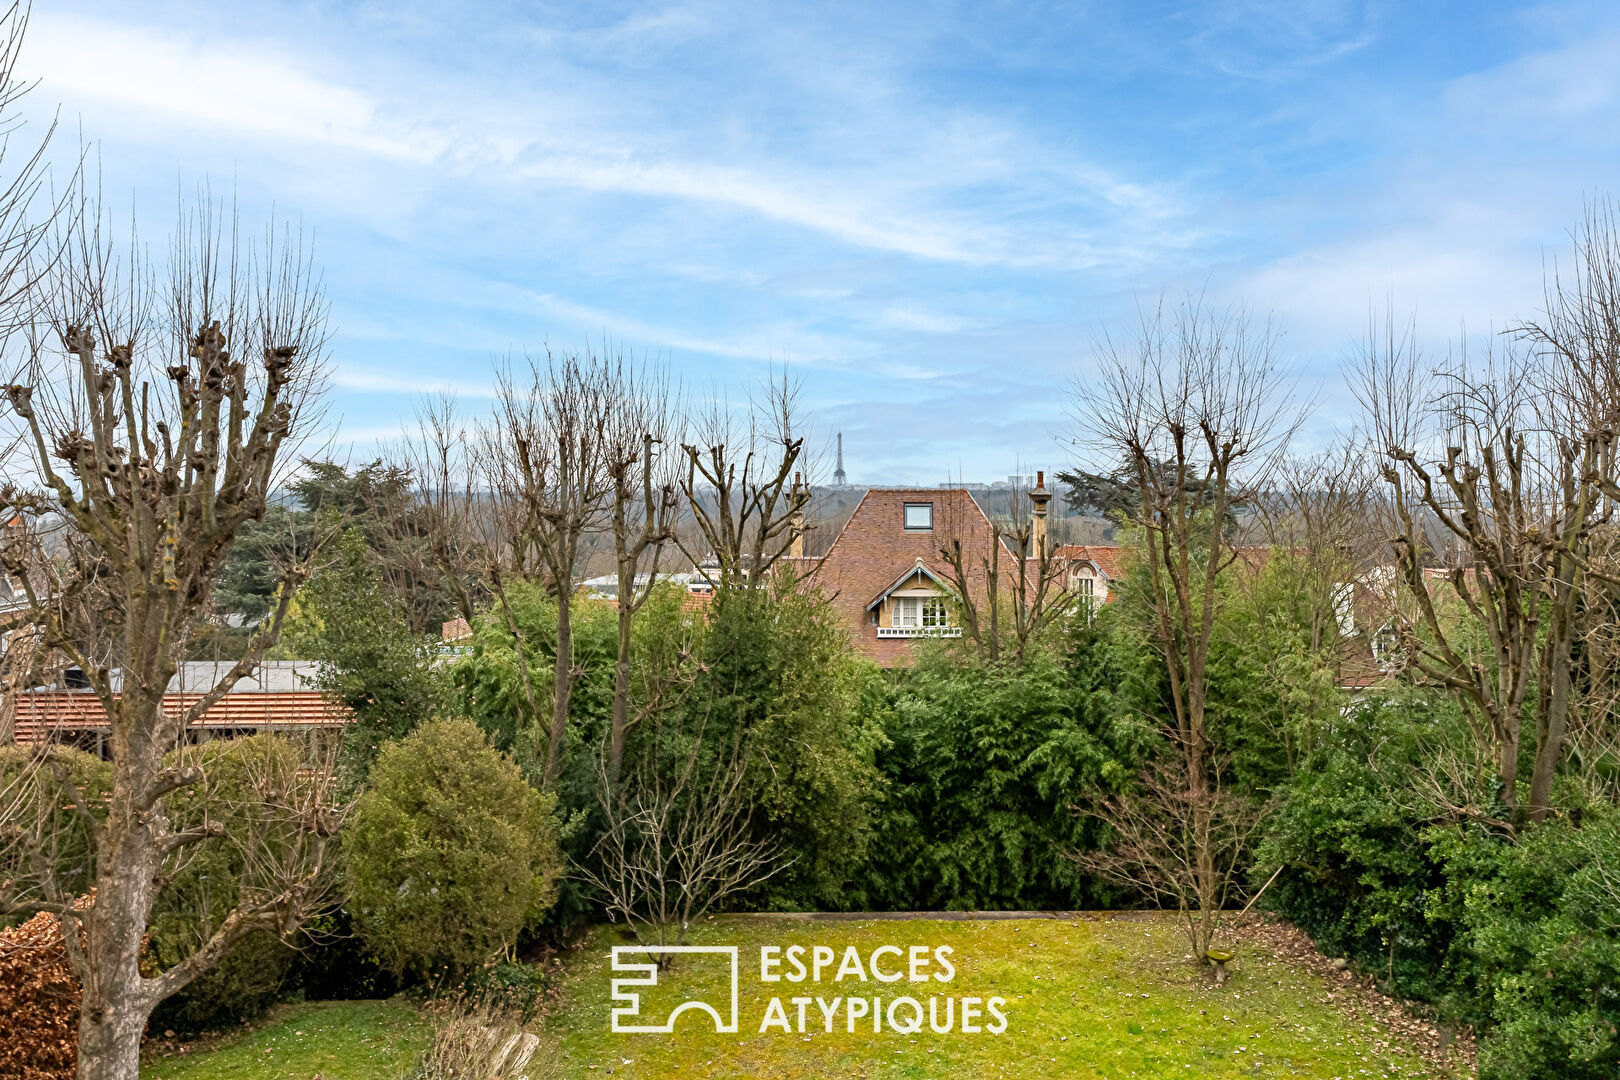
<point>564,683</point>
<point>621,695</point>
<point>1507,764</point>
<point>1550,742</point>
<point>110,1037</point>
<point>116,1002</point>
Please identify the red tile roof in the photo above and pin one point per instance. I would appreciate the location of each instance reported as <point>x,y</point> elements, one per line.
<point>875,549</point>
<point>39,711</point>
<point>1110,560</point>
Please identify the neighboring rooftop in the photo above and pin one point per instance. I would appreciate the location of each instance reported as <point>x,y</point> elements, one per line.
<point>200,676</point>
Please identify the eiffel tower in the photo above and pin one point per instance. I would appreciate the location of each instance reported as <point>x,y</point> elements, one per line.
<point>839,479</point>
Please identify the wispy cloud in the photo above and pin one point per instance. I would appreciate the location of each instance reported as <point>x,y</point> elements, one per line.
<point>892,202</point>
<point>349,377</point>
<point>779,344</point>
<point>928,211</point>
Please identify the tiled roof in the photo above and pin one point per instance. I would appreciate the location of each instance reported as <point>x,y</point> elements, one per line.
<point>1110,560</point>
<point>80,710</point>
<point>874,549</point>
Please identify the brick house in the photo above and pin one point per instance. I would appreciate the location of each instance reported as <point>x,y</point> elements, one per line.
<point>885,575</point>
<point>1091,570</point>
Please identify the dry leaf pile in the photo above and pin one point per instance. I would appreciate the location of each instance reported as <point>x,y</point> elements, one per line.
<point>39,1002</point>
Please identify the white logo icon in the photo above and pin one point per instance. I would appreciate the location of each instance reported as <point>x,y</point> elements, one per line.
<point>647,975</point>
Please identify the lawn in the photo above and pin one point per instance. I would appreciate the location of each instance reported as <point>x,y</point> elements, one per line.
<point>1085,997</point>
<point>333,1040</point>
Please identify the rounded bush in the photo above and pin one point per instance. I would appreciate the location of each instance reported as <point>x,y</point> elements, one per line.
<point>449,854</point>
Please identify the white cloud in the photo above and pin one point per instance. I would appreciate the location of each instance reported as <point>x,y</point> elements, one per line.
<point>923,321</point>
<point>776,344</point>
<point>898,199</point>
<point>238,86</point>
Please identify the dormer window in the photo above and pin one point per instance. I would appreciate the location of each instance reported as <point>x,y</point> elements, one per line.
<point>913,612</point>
<point>919,517</point>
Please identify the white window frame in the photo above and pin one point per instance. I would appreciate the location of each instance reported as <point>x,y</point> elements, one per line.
<point>906,613</point>
<point>905,518</point>
<point>935,615</point>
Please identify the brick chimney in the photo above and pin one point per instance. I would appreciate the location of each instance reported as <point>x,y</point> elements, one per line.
<point>798,497</point>
<point>1039,496</point>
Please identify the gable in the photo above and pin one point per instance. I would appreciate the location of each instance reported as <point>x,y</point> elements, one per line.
<point>917,581</point>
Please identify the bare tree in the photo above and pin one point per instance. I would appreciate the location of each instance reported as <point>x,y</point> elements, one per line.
<point>29,244</point>
<point>1198,413</point>
<point>461,532</point>
<point>679,836</point>
<point>1322,512</point>
<point>515,499</point>
<point>1512,482</point>
<point>1180,845</point>
<point>1577,338</point>
<point>28,247</point>
<point>644,505</point>
<point>155,441</point>
<point>742,485</point>
<point>1594,721</point>
<point>1011,588</point>
<point>545,455</point>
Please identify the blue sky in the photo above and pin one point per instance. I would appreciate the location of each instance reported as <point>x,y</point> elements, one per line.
<point>929,210</point>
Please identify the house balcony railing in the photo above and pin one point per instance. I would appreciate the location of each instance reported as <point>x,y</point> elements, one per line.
<point>918,631</point>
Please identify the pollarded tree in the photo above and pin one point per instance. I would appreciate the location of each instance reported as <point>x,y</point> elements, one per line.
<point>152,409</point>
<point>744,486</point>
<point>644,506</point>
<point>516,500</point>
<point>1495,493</point>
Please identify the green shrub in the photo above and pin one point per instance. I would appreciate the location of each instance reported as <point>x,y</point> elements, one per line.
<point>449,854</point>
<point>781,677</point>
<point>1514,932</point>
<point>1539,919</point>
<point>770,669</point>
<point>1357,874</point>
<point>44,806</point>
<point>984,766</point>
<point>335,963</point>
<point>208,883</point>
<point>250,978</point>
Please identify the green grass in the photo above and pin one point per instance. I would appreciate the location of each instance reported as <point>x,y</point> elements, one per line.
<point>335,1040</point>
<point>1085,998</point>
